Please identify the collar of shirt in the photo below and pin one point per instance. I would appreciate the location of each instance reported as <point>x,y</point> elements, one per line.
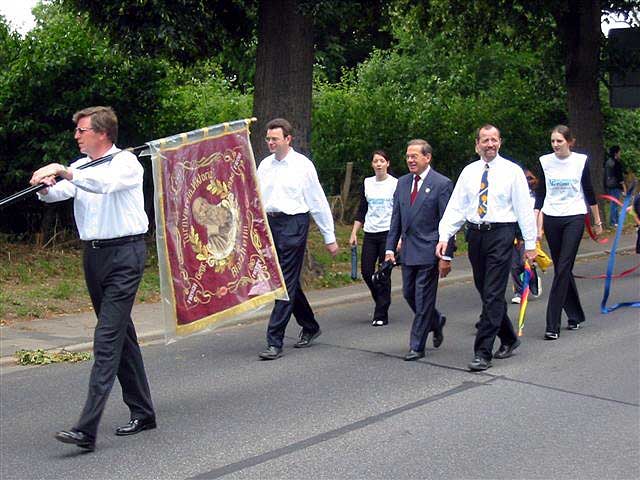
<point>285,160</point>
<point>423,175</point>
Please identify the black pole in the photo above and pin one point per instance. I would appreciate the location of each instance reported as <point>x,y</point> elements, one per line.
<point>36,188</point>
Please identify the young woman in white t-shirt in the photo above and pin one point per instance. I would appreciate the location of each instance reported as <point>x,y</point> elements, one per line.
<point>376,205</point>
<point>565,191</point>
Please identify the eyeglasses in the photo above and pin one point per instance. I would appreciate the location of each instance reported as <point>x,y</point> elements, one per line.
<point>81,130</point>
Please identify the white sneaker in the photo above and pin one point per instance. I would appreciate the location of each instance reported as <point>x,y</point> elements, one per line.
<point>516,299</point>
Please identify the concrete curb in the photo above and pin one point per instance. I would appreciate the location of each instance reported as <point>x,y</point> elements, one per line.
<point>155,335</point>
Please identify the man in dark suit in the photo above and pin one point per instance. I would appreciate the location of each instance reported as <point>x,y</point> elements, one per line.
<point>418,205</point>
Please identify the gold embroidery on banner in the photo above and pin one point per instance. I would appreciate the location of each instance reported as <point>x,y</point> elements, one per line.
<point>225,244</point>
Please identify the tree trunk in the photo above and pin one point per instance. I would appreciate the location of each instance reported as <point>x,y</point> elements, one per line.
<point>579,31</point>
<point>284,73</point>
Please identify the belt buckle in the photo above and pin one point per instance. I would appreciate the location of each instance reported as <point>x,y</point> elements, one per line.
<point>487,226</point>
<point>95,244</point>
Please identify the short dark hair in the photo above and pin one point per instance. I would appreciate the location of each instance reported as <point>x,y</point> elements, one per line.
<point>425,148</point>
<point>286,127</point>
<point>103,119</point>
<point>487,126</point>
<point>613,150</point>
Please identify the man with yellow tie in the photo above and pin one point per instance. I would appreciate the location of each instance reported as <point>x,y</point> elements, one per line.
<point>491,198</point>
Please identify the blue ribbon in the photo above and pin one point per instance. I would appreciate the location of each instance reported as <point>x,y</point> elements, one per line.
<point>612,259</point>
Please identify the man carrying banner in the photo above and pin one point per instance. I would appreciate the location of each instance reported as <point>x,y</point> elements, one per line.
<point>110,216</point>
<point>291,191</point>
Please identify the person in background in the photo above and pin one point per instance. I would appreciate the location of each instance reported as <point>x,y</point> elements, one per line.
<point>614,182</point>
<point>565,190</point>
<point>636,216</point>
<point>374,217</point>
<point>291,192</point>
<point>517,260</point>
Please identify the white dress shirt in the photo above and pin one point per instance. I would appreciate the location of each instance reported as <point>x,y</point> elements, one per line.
<point>291,186</point>
<point>108,199</point>
<point>508,200</point>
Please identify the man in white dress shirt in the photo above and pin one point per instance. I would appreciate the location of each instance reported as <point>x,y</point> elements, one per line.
<point>290,191</point>
<point>492,197</point>
<point>109,212</point>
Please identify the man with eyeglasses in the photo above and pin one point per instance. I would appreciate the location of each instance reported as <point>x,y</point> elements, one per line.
<point>290,191</point>
<point>109,213</point>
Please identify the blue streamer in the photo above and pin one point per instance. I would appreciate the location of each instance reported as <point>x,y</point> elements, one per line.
<point>612,259</point>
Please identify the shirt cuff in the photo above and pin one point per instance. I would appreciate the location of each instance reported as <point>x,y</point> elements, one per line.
<point>529,244</point>
<point>329,238</point>
<point>390,252</point>
<point>445,257</point>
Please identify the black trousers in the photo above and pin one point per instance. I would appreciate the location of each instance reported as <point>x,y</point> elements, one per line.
<point>113,275</point>
<point>419,288</point>
<point>563,236</point>
<point>373,248</point>
<point>290,237</point>
<point>490,256</point>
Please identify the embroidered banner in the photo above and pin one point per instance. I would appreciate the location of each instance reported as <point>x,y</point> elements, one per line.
<point>215,250</point>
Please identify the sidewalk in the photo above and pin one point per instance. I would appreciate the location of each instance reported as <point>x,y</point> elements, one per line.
<point>75,332</point>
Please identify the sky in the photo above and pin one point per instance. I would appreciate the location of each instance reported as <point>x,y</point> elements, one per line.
<point>18,12</point>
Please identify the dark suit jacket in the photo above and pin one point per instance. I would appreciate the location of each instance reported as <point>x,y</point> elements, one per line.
<point>417,224</point>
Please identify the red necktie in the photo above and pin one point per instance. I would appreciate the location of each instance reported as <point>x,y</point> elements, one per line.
<point>414,192</point>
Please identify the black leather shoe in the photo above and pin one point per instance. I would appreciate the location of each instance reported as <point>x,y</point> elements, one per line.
<point>271,353</point>
<point>306,338</point>
<point>136,425</point>
<point>478,364</point>
<point>505,351</point>
<point>413,355</point>
<point>438,336</point>
<point>379,322</point>
<point>80,439</point>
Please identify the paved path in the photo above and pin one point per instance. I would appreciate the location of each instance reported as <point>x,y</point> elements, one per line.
<point>75,332</point>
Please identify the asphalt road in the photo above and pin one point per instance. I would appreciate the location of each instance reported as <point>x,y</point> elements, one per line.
<point>350,407</point>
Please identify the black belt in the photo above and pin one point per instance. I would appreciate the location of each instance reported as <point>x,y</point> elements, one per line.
<point>114,242</point>
<point>282,214</point>
<point>486,226</point>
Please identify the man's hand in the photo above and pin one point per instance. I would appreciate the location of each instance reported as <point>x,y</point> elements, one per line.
<point>530,255</point>
<point>441,249</point>
<point>48,173</point>
<point>390,257</point>
<point>444,267</point>
<point>333,248</point>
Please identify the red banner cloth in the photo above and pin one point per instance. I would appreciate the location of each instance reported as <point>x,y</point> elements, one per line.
<point>218,250</point>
